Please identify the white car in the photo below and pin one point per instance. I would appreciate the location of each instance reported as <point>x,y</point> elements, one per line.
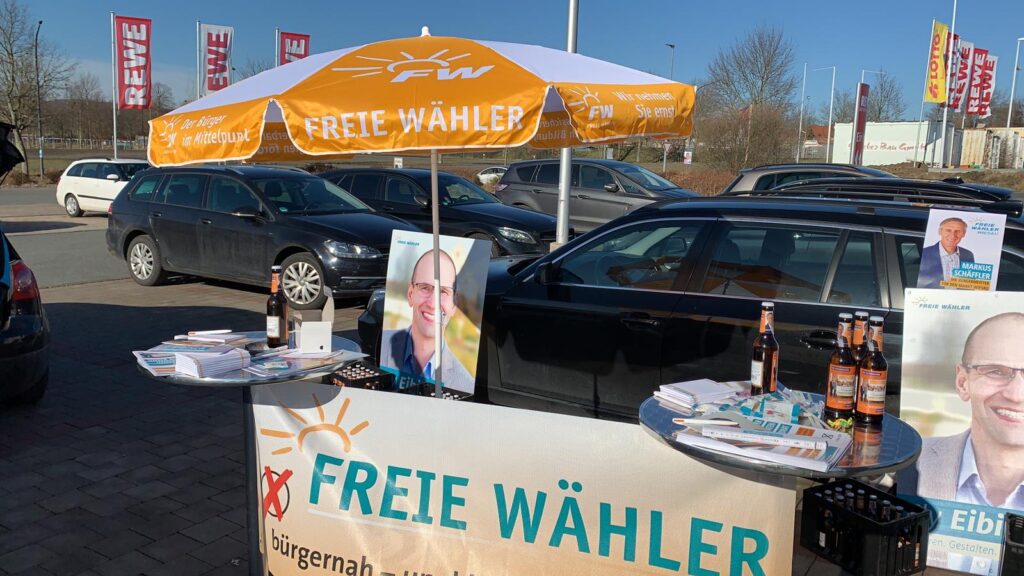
<point>90,185</point>
<point>491,175</point>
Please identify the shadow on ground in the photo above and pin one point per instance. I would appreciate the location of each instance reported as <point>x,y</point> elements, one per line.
<point>21,226</point>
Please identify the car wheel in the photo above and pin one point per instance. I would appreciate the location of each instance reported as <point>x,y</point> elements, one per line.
<point>302,279</point>
<point>34,394</point>
<point>495,249</point>
<point>71,206</point>
<point>144,262</point>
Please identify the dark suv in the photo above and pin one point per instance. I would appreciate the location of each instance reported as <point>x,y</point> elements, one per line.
<point>235,222</point>
<point>601,190</point>
<point>672,292</point>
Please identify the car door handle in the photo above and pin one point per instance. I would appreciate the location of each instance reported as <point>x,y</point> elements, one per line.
<point>537,190</point>
<point>206,221</point>
<point>389,208</point>
<point>639,321</point>
<point>820,340</point>
<point>156,214</point>
<point>583,197</point>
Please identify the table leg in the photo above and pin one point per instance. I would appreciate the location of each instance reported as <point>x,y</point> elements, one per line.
<point>252,487</point>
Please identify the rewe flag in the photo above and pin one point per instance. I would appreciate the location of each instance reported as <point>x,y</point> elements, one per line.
<point>215,57</point>
<point>133,63</point>
<point>983,81</point>
<point>961,75</point>
<point>292,47</point>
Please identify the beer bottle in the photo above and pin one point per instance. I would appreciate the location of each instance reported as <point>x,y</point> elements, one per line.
<point>860,331</point>
<point>874,372</point>
<point>277,311</point>
<point>764,368</point>
<point>842,374</point>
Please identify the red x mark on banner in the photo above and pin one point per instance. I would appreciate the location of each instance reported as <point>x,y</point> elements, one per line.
<point>273,489</point>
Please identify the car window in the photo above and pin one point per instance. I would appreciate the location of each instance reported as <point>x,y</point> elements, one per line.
<point>594,177</point>
<point>230,196</point>
<point>548,174</point>
<point>75,170</point>
<point>643,177</point>
<point>145,190</point>
<point>307,195</point>
<point>109,170</point>
<point>774,263</point>
<point>1011,273</point>
<point>400,190</point>
<point>856,280</point>
<point>344,182</point>
<point>1011,266</point>
<point>765,182</point>
<point>796,176</point>
<point>647,256</point>
<point>365,186</point>
<point>131,169</point>
<point>455,190</point>
<point>184,190</point>
<point>90,170</point>
<point>525,173</point>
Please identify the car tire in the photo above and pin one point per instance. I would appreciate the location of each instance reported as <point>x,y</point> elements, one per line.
<point>144,262</point>
<point>35,393</point>
<point>71,206</point>
<point>302,279</point>
<point>495,249</point>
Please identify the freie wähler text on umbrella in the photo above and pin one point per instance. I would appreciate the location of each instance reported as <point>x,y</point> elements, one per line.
<point>438,118</point>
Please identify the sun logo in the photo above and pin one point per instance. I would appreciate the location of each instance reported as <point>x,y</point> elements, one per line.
<point>402,68</point>
<point>586,98</point>
<point>321,426</point>
<point>920,300</point>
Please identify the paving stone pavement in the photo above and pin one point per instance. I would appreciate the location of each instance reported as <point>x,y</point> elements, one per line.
<point>112,473</point>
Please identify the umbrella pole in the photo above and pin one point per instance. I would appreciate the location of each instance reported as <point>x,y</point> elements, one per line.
<point>435,218</point>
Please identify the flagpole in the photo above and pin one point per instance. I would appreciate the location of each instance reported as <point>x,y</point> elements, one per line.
<point>277,47</point>
<point>199,61</point>
<point>920,117</point>
<point>435,217</point>
<point>565,157</point>
<point>113,77</point>
<point>945,109</point>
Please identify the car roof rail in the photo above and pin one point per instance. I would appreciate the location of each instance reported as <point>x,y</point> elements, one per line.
<point>1012,208</point>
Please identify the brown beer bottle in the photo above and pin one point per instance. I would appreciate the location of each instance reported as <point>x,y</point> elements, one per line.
<point>277,311</point>
<point>764,367</point>
<point>860,332</point>
<point>842,376</point>
<point>874,372</point>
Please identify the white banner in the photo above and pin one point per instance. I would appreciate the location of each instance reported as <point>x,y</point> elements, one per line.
<point>961,74</point>
<point>215,56</point>
<point>361,482</point>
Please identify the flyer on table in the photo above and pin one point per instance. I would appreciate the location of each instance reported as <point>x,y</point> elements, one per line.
<point>961,250</point>
<point>963,390</point>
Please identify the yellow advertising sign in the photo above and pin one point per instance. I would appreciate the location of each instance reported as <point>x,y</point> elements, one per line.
<point>230,132</point>
<point>935,84</point>
<point>603,112</point>
<point>361,482</point>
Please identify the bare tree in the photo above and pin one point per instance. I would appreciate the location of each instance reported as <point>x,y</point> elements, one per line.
<point>254,66</point>
<point>17,69</point>
<point>885,100</point>
<point>843,106</point>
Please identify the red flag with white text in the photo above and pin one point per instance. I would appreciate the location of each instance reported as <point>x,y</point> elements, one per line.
<point>215,44</point>
<point>983,81</point>
<point>961,75</point>
<point>292,47</point>
<point>133,62</point>
<point>860,125</point>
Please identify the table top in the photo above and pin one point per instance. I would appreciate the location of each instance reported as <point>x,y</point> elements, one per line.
<point>243,378</point>
<point>897,446</point>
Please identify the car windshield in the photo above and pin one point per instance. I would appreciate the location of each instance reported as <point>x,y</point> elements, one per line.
<point>309,195</point>
<point>129,170</point>
<point>456,191</point>
<point>645,177</point>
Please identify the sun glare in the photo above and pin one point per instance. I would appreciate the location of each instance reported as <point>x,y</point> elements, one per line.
<point>321,425</point>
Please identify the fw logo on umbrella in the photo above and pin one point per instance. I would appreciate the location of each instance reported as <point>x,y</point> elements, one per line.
<point>401,68</point>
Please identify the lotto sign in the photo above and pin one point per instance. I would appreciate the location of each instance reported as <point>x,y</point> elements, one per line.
<point>215,52</point>
<point>292,47</point>
<point>935,87</point>
<point>132,37</point>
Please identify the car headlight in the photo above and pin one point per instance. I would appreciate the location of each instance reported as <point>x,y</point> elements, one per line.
<point>516,235</point>
<point>349,250</point>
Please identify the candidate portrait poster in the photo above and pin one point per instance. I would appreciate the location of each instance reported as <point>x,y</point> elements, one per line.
<point>407,337</point>
<point>961,250</point>
<point>963,391</point>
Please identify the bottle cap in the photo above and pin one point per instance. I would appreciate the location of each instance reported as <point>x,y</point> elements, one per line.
<point>275,268</point>
<point>846,316</point>
<point>878,319</point>
<point>860,314</point>
<point>767,304</point>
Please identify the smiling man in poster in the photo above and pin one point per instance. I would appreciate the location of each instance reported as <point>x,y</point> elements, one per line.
<point>947,263</point>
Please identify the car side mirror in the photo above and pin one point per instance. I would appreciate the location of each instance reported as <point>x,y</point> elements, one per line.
<point>611,187</point>
<point>422,199</point>
<point>113,177</point>
<point>545,273</point>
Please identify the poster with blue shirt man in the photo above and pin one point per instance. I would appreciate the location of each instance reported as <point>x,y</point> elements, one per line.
<point>408,346</point>
<point>946,260</point>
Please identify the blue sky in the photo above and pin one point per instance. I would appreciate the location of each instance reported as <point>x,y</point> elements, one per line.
<point>852,36</point>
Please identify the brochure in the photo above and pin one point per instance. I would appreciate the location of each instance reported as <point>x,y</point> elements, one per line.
<point>156,363</point>
<point>282,364</point>
<point>204,365</point>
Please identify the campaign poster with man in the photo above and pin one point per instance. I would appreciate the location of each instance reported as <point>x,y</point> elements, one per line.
<point>408,345</point>
<point>963,390</point>
<point>961,250</point>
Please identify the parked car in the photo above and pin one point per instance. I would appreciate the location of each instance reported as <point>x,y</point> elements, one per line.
<point>601,190</point>
<point>491,174</point>
<point>886,188</point>
<point>465,209</point>
<point>672,292</point>
<point>235,222</point>
<point>769,176</point>
<point>90,185</point>
<point>24,330</point>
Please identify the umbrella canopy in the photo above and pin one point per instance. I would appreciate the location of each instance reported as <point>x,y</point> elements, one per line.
<point>424,93</point>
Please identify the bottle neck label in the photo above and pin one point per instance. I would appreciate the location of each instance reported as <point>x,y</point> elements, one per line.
<point>858,332</point>
<point>767,321</point>
<point>275,282</point>
<point>843,335</point>
<point>876,337</point>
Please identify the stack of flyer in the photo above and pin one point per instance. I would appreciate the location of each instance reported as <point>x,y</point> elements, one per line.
<point>690,394</point>
<point>202,365</point>
<point>162,360</point>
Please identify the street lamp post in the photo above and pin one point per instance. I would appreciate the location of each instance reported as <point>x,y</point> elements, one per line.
<point>856,111</point>
<point>831,101</point>
<point>1013,85</point>
<point>671,72</point>
<point>800,125</point>
<point>39,106</point>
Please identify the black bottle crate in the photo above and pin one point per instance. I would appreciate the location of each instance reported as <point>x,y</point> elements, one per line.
<point>862,544</point>
<point>427,389</point>
<point>364,375</point>
<point>1013,545</point>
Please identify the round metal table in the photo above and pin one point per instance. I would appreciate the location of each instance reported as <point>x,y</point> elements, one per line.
<point>897,446</point>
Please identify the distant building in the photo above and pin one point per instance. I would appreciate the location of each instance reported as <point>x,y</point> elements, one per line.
<point>898,142</point>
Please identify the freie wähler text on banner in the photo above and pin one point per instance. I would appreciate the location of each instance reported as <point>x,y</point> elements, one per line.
<point>292,47</point>
<point>353,482</point>
<point>935,84</point>
<point>133,61</point>
<point>215,44</point>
